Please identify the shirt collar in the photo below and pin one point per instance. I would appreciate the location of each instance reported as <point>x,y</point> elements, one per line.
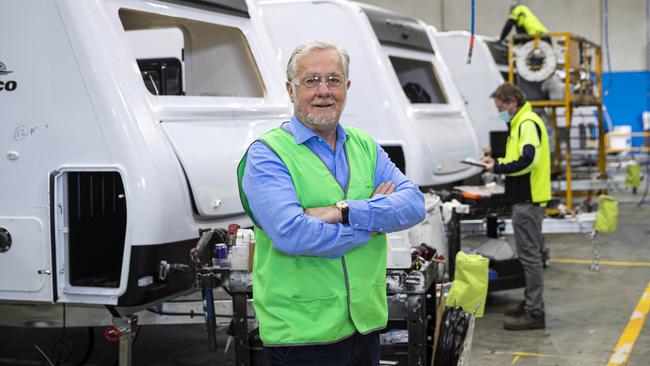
<point>524,108</point>
<point>302,133</point>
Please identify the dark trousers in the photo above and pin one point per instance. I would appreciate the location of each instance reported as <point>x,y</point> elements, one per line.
<point>527,224</point>
<point>356,350</point>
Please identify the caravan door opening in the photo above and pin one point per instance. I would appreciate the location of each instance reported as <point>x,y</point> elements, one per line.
<point>215,59</point>
<point>419,80</point>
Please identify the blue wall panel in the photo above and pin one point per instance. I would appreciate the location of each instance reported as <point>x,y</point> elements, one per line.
<point>626,98</point>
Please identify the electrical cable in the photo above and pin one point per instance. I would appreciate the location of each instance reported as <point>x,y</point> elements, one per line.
<point>227,291</point>
<point>609,60</point>
<point>471,37</point>
<point>221,235</point>
<point>191,314</point>
<point>201,252</point>
<point>453,330</point>
<point>89,347</point>
<point>58,348</point>
<point>65,342</point>
<point>647,138</point>
<point>49,362</point>
<point>137,333</point>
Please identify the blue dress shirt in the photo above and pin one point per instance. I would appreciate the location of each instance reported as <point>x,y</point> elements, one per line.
<point>275,206</point>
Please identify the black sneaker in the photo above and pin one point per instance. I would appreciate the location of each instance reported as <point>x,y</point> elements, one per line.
<point>525,322</point>
<point>516,310</point>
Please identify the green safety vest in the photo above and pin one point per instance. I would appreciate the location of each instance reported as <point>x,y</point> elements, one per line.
<point>539,171</point>
<point>527,20</point>
<point>316,300</point>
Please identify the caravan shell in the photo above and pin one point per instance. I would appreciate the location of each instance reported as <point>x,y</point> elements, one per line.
<point>475,81</point>
<point>120,137</point>
<point>401,92</point>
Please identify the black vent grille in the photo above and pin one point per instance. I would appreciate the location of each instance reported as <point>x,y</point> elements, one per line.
<point>97,228</point>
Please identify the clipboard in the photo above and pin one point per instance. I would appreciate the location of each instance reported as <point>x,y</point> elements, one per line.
<point>474,162</point>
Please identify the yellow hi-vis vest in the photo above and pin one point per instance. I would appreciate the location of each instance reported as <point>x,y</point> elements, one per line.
<point>316,300</point>
<point>527,20</point>
<point>522,132</point>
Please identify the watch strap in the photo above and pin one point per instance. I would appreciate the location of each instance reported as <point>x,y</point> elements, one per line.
<point>345,215</point>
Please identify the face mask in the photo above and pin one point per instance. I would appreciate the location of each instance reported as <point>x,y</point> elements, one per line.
<point>505,116</point>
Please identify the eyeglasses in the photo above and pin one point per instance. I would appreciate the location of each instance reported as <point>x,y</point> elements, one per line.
<point>314,81</point>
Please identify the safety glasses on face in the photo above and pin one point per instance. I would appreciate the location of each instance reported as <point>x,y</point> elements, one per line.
<point>314,81</point>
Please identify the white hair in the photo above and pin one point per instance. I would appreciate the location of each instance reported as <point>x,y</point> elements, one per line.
<point>309,46</point>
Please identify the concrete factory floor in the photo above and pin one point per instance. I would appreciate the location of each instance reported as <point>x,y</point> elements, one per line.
<point>587,313</point>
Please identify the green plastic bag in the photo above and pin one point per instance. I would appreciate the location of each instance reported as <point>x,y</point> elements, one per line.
<point>470,283</point>
<point>633,176</point>
<point>607,216</point>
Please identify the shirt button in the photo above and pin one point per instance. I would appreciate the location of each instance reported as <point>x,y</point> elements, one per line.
<point>356,225</point>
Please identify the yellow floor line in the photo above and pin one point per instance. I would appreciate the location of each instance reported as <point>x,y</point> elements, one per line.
<point>610,263</point>
<point>519,355</point>
<point>631,333</point>
<point>514,360</point>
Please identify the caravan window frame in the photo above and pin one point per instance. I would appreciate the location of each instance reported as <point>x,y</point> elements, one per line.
<point>419,56</point>
<point>173,106</point>
<point>239,79</point>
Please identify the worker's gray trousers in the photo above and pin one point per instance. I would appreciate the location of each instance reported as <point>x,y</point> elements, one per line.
<point>527,226</point>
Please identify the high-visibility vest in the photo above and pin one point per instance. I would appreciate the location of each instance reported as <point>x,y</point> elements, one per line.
<point>539,171</point>
<point>317,300</point>
<point>527,20</point>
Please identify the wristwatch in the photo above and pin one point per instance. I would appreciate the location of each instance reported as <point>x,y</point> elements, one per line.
<point>345,210</point>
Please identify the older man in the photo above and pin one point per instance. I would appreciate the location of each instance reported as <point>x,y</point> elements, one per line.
<point>322,196</point>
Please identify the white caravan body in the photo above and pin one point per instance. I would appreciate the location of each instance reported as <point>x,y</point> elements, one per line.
<point>426,134</point>
<point>104,172</point>
<point>475,81</point>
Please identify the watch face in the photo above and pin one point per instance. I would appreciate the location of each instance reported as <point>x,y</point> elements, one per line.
<point>342,204</point>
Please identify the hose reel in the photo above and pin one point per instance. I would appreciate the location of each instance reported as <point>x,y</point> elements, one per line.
<point>535,60</point>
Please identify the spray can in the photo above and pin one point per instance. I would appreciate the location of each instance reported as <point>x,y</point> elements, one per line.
<point>220,255</point>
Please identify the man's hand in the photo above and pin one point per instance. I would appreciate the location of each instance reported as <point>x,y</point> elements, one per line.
<point>385,188</point>
<point>329,214</point>
<point>490,163</point>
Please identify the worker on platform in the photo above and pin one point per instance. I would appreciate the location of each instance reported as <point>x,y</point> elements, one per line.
<point>527,166</point>
<point>322,196</point>
<point>524,21</point>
